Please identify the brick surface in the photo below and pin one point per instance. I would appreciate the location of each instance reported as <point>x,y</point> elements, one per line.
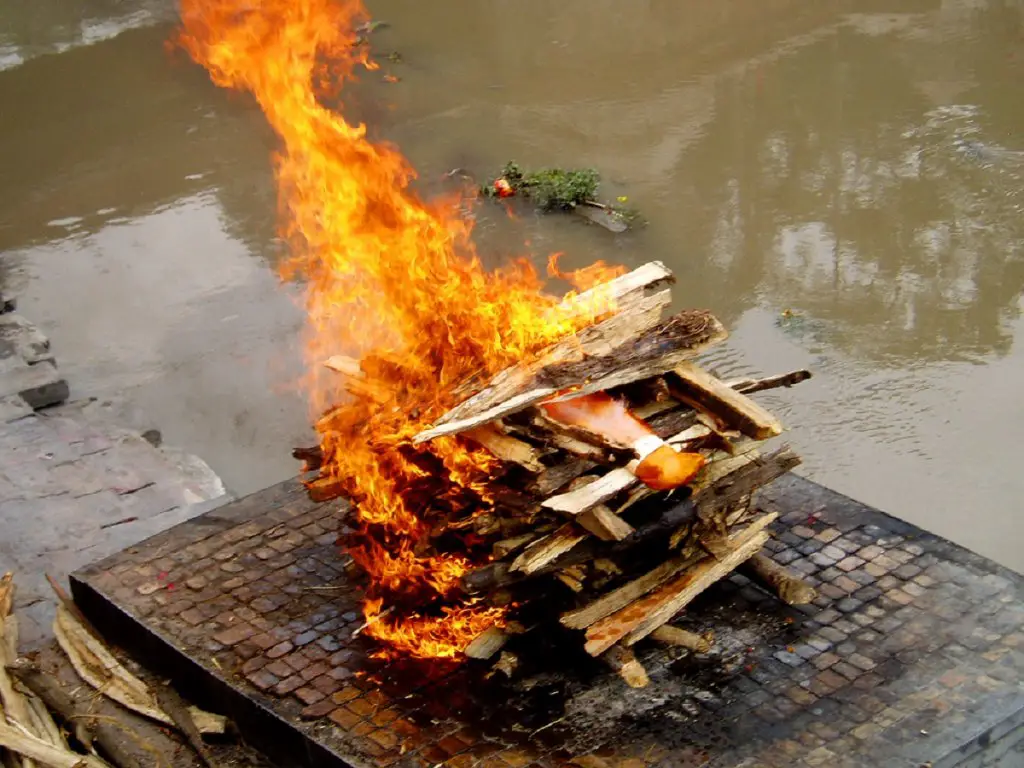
<point>828,684</point>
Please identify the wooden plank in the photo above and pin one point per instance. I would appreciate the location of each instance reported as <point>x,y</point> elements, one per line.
<point>658,350</point>
<point>550,548</point>
<point>693,385</point>
<point>487,643</point>
<point>610,602</point>
<point>641,616</point>
<point>506,447</point>
<point>707,573</point>
<point>605,524</point>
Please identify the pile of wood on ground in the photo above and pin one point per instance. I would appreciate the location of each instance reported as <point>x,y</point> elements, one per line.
<point>42,724</point>
<point>627,481</point>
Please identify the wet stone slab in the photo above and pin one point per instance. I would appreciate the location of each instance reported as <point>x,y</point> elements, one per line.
<point>911,655</point>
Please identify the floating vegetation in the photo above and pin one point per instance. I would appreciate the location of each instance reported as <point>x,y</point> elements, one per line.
<point>559,189</point>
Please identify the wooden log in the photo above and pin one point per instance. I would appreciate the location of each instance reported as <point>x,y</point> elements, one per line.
<point>642,616</point>
<point>625,663</point>
<point>748,386</point>
<point>487,643</point>
<point>778,579</point>
<point>605,524</point>
<point>548,549</point>
<point>177,709</point>
<point>86,728</point>
<point>669,635</point>
<point>506,447</point>
<point>672,342</point>
<point>693,385</point>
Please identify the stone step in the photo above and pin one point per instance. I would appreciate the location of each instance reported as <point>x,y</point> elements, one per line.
<point>29,342</point>
<point>39,385</point>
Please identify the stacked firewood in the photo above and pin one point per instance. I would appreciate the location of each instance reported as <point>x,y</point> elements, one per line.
<point>628,476</point>
<point>43,723</point>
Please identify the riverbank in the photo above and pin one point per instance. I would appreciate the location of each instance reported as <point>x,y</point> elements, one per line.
<point>79,479</point>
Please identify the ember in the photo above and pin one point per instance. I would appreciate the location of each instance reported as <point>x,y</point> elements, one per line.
<point>444,392</point>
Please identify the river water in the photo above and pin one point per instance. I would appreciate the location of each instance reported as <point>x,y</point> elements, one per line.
<point>842,183</point>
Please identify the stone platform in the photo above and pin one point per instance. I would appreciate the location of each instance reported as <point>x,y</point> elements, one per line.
<point>911,656</point>
<point>75,484</point>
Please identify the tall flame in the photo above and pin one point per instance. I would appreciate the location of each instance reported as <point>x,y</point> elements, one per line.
<point>392,279</point>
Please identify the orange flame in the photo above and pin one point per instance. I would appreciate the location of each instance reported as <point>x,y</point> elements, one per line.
<point>391,279</point>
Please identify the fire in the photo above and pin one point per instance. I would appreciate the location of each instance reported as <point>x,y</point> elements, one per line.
<point>393,280</point>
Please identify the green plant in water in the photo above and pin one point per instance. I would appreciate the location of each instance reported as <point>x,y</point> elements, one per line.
<point>550,188</point>
<point>558,189</point>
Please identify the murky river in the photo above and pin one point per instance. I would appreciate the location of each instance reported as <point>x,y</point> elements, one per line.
<point>842,183</point>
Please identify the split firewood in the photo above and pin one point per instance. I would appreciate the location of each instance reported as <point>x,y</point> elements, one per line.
<point>98,667</point>
<point>35,750</point>
<point>666,634</point>
<point>6,594</point>
<point>740,483</point>
<point>605,524</point>
<point>506,547</point>
<point>629,296</point>
<point>573,577</point>
<point>550,548</point>
<point>698,388</point>
<point>667,421</point>
<point>778,579</point>
<point>674,341</point>
<point>623,661</point>
<point>14,707</point>
<point>506,447</point>
<point>641,617</point>
<point>577,501</point>
<point>628,593</point>
<point>487,643</point>
<point>557,477</point>
<point>86,728</point>
<point>356,380</point>
<point>506,664</point>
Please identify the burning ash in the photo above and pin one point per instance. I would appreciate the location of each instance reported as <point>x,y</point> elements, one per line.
<point>393,280</point>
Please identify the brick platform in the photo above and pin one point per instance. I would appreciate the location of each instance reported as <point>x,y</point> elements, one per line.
<point>912,655</point>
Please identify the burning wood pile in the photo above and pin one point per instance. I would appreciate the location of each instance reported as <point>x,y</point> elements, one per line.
<point>620,486</point>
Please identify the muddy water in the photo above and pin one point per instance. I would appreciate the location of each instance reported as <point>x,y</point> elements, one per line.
<point>842,183</point>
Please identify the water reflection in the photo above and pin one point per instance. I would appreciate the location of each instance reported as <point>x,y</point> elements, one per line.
<point>830,185</point>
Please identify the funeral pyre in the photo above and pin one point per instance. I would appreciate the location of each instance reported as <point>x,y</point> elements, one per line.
<point>490,436</point>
